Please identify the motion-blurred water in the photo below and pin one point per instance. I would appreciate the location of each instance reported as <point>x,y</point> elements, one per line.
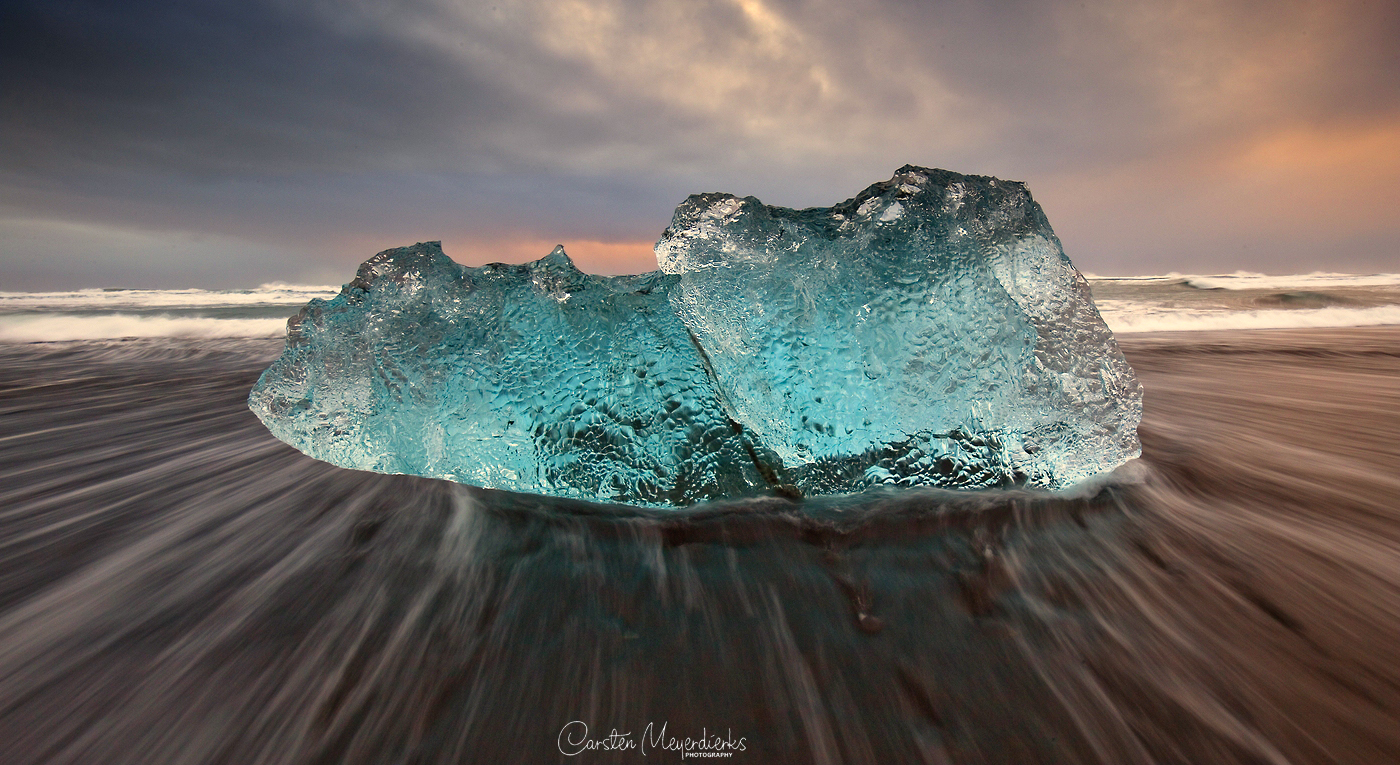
<point>177,586</point>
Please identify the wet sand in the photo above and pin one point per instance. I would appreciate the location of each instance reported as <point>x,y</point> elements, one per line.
<point>176,586</point>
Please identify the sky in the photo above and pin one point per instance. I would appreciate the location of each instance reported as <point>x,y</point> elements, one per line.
<point>213,143</point>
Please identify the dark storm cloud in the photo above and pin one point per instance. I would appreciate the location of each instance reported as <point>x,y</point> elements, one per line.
<point>212,88</point>
<point>215,89</point>
<point>325,130</point>
<point>311,122</point>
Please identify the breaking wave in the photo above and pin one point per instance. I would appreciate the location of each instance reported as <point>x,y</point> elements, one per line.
<point>58,327</point>
<point>1126,318</point>
<point>1249,280</point>
<point>1129,304</point>
<point>97,299</point>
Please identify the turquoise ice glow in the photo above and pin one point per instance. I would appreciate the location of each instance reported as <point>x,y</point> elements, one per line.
<point>928,332</point>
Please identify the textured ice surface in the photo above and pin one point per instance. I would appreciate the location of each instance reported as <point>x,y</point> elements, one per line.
<point>928,332</point>
<point>536,378</point>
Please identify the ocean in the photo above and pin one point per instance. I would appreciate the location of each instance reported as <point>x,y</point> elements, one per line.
<point>1129,304</point>
<point>177,586</point>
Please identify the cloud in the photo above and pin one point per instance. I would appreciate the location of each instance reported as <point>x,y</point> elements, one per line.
<point>324,127</point>
<point>47,254</point>
<point>1292,200</point>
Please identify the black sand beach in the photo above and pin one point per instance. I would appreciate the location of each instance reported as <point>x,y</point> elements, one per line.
<point>177,586</point>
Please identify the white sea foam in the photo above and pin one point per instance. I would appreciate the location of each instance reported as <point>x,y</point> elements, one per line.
<point>268,294</point>
<point>1122,317</point>
<point>284,286</point>
<point>100,314</point>
<point>57,327</point>
<point>1248,280</point>
<point>1125,317</point>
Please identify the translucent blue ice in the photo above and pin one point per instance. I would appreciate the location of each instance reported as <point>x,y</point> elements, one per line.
<point>928,332</point>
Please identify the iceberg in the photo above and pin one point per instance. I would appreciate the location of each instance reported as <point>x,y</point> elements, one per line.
<point>928,332</point>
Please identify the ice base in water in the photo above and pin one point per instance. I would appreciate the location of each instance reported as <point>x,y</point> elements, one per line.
<point>928,332</point>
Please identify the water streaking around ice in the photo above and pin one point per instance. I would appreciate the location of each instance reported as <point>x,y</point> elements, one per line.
<point>927,332</point>
<point>178,587</point>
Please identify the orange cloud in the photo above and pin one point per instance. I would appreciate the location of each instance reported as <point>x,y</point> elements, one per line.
<point>1292,194</point>
<point>1347,173</point>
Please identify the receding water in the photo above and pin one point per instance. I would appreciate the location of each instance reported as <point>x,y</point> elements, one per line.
<point>177,586</point>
